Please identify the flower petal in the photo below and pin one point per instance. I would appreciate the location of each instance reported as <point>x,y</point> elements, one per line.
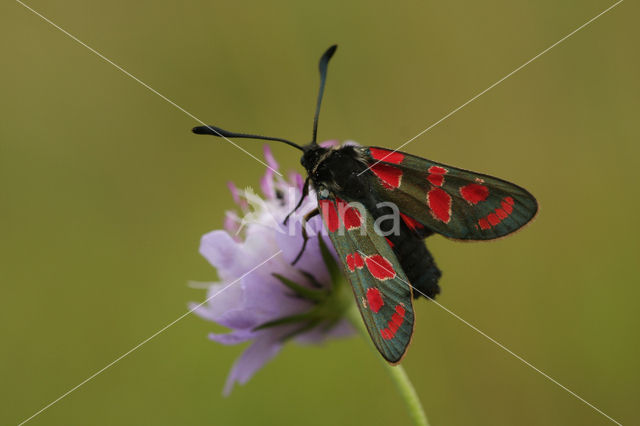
<point>233,338</point>
<point>267,299</point>
<point>297,180</point>
<point>311,260</point>
<point>268,155</point>
<point>329,143</point>
<point>266,183</point>
<point>219,249</point>
<point>221,297</point>
<point>232,223</point>
<point>234,192</point>
<point>242,318</point>
<point>232,259</point>
<point>263,349</point>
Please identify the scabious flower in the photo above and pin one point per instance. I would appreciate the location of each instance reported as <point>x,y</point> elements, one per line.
<point>271,302</point>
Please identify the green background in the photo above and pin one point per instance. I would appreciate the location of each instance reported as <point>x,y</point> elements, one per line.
<point>105,194</point>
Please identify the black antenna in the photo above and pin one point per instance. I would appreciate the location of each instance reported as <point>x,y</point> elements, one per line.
<point>322,66</point>
<point>217,131</point>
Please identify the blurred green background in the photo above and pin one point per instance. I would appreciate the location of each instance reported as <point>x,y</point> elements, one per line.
<point>105,194</point>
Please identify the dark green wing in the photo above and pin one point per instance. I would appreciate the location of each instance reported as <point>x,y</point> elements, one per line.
<point>453,202</point>
<point>380,286</point>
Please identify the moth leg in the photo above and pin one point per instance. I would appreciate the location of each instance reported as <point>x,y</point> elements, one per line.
<point>305,237</point>
<point>305,192</point>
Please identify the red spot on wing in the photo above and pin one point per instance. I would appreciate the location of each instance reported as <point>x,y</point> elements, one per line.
<point>386,155</point>
<point>437,170</point>
<point>501,214</point>
<point>440,204</point>
<point>354,261</point>
<point>351,217</point>
<point>358,260</point>
<point>474,193</point>
<point>329,214</point>
<point>436,180</point>
<point>341,204</point>
<point>389,176</point>
<point>375,299</point>
<point>380,267</point>
<point>397,319</point>
<point>411,223</point>
<point>507,207</point>
<point>436,175</point>
<point>389,241</point>
<point>394,323</point>
<point>498,215</point>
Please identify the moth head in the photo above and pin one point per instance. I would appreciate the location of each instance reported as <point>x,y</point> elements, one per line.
<point>312,154</point>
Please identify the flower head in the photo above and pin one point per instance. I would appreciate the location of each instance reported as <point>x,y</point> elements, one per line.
<point>263,298</point>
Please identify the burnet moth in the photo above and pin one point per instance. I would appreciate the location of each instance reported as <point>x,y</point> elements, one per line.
<point>386,261</point>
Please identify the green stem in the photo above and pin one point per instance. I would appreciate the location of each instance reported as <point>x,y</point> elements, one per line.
<point>399,376</point>
<point>408,393</point>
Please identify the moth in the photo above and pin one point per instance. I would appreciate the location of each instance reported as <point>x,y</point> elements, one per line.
<point>357,186</point>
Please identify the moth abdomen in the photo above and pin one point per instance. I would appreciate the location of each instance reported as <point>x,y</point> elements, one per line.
<point>418,264</point>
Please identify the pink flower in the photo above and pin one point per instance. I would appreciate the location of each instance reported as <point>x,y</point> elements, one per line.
<point>273,302</point>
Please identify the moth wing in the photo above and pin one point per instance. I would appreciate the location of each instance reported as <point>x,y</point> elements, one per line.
<point>454,202</point>
<point>380,286</point>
